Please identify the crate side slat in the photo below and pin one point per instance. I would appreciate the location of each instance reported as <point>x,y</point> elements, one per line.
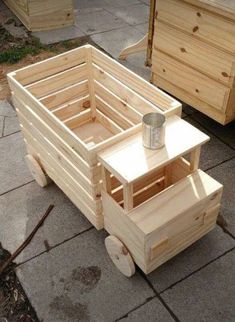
<point>94,205</point>
<point>92,173</point>
<point>136,83</point>
<point>72,108</point>
<point>58,81</point>
<point>113,100</point>
<point>65,95</point>
<point>92,189</point>
<point>125,93</point>
<point>106,109</point>
<point>50,66</point>
<point>96,220</point>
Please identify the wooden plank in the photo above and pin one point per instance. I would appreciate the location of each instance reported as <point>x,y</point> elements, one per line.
<point>91,84</point>
<point>195,53</point>
<point>107,110</point>
<point>108,123</point>
<point>58,81</point>
<point>93,190</point>
<point>136,83</point>
<point>72,108</point>
<point>119,159</point>
<point>65,95</point>
<point>200,191</point>
<point>94,205</point>
<point>125,93</point>
<point>106,180</point>
<point>200,23</point>
<point>119,105</point>
<point>92,173</point>
<point>180,169</point>
<point>20,9</point>
<point>190,80</point>
<point>50,66</point>
<point>96,220</point>
<point>79,119</point>
<point>42,7</point>
<point>189,99</point>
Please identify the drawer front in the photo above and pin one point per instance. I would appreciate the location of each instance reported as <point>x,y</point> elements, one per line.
<point>203,24</point>
<point>191,51</point>
<point>190,80</point>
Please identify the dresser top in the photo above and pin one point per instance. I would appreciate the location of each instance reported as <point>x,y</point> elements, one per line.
<point>223,7</point>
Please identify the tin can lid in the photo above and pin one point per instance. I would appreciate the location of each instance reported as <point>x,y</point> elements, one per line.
<point>154,119</point>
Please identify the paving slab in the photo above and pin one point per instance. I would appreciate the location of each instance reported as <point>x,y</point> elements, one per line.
<point>115,40</point>
<point>53,36</point>
<point>208,295</point>
<point>213,152</point>
<point>225,132</point>
<point>225,173</point>
<point>92,21</point>
<point>6,109</point>
<point>121,3</point>
<point>78,282</point>
<point>11,125</point>
<point>133,15</point>
<point>13,169</point>
<point>21,209</point>
<point>1,125</point>
<point>82,4</point>
<point>191,259</point>
<point>136,64</point>
<point>152,311</point>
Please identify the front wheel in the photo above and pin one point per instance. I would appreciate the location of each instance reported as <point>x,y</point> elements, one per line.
<point>120,256</point>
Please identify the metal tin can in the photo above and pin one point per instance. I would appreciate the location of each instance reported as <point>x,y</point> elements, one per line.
<point>153,130</point>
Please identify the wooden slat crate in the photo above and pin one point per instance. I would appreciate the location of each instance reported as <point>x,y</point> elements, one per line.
<point>74,105</point>
<point>193,54</point>
<point>43,14</point>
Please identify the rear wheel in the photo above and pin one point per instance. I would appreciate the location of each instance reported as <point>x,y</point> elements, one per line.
<point>36,171</point>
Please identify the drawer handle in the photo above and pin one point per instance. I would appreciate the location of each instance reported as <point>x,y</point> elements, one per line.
<point>158,248</point>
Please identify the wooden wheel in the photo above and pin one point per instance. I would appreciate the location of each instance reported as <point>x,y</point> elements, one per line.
<point>36,170</point>
<point>120,256</point>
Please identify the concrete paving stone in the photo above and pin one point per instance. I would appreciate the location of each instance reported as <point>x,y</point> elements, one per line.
<point>136,64</point>
<point>1,125</point>
<point>56,35</point>
<point>188,109</point>
<point>121,3</point>
<point>81,4</point>
<point>208,295</point>
<point>115,40</point>
<point>152,311</point>
<point>143,27</point>
<point>21,209</point>
<point>132,15</point>
<point>6,109</point>
<point>225,174</point>
<point>96,21</point>
<point>13,169</point>
<point>11,125</point>
<point>145,1</point>
<point>224,132</point>
<point>213,152</point>
<point>78,282</point>
<point>212,245</point>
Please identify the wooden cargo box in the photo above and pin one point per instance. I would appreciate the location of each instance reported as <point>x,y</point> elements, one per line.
<point>71,107</point>
<point>43,14</point>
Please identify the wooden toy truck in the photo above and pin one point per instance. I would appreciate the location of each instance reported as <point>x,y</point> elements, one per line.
<point>80,115</point>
